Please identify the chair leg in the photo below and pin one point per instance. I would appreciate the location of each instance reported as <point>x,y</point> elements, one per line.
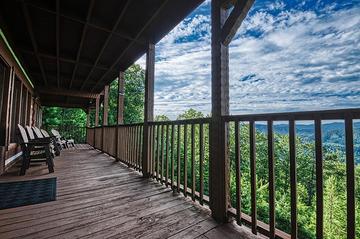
<point>24,165</point>
<point>49,160</point>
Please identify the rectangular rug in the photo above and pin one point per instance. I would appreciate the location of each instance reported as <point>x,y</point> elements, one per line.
<point>21,193</point>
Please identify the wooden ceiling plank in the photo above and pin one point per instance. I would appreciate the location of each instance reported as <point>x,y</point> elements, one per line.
<point>115,26</point>
<point>65,92</point>
<point>33,40</point>
<point>152,18</point>
<point>64,59</point>
<point>121,35</point>
<point>58,41</point>
<point>63,105</point>
<point>89,12</point>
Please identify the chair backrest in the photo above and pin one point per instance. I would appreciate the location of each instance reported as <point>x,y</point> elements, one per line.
<point>37,132</point>
<point>30,132</point>
<point>55,133</point>
<point>46,134</point>
<point>23,134</point>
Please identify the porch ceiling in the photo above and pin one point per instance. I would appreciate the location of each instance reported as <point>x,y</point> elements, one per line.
<point>82,45</point>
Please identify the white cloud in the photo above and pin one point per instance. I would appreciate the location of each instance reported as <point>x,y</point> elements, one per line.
<point>289,60</point>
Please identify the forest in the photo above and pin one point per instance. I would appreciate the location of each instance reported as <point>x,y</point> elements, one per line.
<point>73,122</point>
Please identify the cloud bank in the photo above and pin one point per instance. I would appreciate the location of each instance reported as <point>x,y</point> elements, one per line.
<point>285,57</point>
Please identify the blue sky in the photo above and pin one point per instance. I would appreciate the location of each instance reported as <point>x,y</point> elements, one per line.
<point>286,56</point>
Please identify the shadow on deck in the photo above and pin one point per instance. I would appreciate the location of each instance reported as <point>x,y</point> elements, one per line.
<point>100,198</point>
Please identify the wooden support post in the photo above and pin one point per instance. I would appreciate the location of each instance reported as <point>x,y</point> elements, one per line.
<point>148,107</point>
<point>20,104</point>
<point>5,113</point>
<point>105,115</point>
<point>120,109</point>
<point>97,106</point>
<point>5,118</point>
<point>219,160</point>
<point>223,28</point>
<point>121,95</point>
<point>106,105</point>
<point>88,118</point>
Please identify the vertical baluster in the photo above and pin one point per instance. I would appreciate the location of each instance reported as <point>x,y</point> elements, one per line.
<point>271,165</point>
<point>253,177</point>
<point>132,146</point>
<point>319,180</point>
<point>154,151</point>
<point>237,174</point>
<point>167,156</point>
<point>135,147</point>
<point>178,157</point>
<point>123,143</point>
<point>172,154</point>
<point>350,177</point>
<point>185,160</point>
<point>126,144</point>
<point>140,146</point>
<point>152,139</point>
<point>120,144</point>
<point>150,149</point>
<point>162,154</point>
<point>201,170</point>
<point>193,162</point>
<point>158,140</point>
<point>293,180</point>
<point>129,145</point>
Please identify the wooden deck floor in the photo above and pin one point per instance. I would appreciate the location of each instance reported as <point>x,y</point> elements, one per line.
<point>100,198</point>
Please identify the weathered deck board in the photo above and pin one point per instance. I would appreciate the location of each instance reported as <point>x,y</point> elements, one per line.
<point>100,198</point>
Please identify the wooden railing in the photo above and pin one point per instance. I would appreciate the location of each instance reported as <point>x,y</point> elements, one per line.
<point>78,133</point>
<point>316,117</point>
<point>123,142</point>
<point>179,158</point>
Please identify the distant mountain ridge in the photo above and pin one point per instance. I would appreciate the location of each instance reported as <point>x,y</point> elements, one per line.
<point>333,134</point>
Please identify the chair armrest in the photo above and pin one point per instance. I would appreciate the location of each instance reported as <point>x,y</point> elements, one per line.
<point>33,143</point>
<point>47,139</point>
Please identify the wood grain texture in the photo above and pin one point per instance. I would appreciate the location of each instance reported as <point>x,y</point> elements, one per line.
<point>98,197</point>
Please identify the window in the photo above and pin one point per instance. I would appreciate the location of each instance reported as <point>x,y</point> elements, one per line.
<point>4,76</point>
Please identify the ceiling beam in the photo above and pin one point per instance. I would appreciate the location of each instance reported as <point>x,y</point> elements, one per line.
<point>33,40</point>
<point>89,12</point>
<point>152,18</point>
<point>117,22</point>
<point>121,35</point>
<point>65,77</point>
<point>234,20</point>
<point>58,41</point>
<point>63,105</point>
<point>65,92</point>
<point>64,59</point>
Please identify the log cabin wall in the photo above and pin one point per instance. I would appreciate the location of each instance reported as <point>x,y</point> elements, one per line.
<point>18,105</point>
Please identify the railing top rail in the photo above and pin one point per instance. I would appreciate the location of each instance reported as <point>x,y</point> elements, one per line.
<point>185,121</point>
<point>120,125</point>
<point>305,115</point>
<point>339,114</point>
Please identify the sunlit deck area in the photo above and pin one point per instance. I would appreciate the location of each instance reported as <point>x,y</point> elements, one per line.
<point>98,197</point>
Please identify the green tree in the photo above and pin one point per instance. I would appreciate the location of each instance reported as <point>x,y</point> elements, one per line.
<point>162,118</point>
<point>133,99</point>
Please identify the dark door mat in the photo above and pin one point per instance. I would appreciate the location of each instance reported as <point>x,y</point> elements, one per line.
<point>21,193</point>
